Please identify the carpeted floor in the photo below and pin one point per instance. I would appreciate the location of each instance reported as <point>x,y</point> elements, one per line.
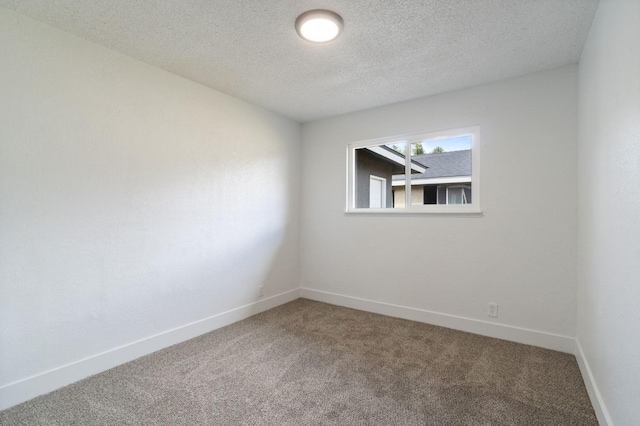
<point>309,363</point>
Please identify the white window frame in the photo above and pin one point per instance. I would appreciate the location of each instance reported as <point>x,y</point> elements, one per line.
<point>472,208</point>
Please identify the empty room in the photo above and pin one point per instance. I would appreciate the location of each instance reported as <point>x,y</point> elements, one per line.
<point>307,213</point>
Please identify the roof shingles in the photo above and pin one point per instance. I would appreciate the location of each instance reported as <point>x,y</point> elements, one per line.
<point>445,164</point>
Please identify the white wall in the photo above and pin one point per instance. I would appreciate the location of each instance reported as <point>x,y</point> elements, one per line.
<point>132,201</point>
<point>521,254</point>
<point>609,225</point>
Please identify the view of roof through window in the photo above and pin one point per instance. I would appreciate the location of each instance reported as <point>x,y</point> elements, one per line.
<point>441,173</point>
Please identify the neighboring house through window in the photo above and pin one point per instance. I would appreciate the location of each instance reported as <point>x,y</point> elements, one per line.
<point>447,179</point>
<point>442,170</point>
<point>375,168</point>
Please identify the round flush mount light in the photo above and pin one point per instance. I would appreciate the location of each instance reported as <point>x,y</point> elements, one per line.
<point>319,25</point>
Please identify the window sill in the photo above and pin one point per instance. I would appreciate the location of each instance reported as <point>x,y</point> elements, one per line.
<point>417,211</point>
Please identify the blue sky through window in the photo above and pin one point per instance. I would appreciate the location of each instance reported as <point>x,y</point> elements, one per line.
<point>450,144</point>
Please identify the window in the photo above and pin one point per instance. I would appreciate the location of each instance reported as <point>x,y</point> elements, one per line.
<point>422,173</point>
<point>458,194</point>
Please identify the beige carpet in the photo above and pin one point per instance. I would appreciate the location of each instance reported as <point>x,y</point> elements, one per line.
<point>309,363</point>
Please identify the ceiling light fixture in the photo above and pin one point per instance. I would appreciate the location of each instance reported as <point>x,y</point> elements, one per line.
<point>319,25</point>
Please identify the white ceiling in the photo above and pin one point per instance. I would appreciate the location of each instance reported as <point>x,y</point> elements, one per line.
<point>390,51</point>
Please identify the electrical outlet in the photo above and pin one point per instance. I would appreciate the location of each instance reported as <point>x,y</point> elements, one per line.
<point>261,290</point>
<point>493,310</point>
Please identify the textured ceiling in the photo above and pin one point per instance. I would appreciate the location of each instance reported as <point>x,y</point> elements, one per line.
<point>390,50</point>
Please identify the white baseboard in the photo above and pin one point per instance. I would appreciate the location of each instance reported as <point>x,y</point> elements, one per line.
<point>594,393</point>
<point>500,331</point>
<point>20,391</point>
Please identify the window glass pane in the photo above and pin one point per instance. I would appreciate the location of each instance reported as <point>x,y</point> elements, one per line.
<point>447,163</point>
<point>467,194</point>
<point>374,168</point>
<point>430,194</point>
<point>442,195</point>
<point>455,195</point>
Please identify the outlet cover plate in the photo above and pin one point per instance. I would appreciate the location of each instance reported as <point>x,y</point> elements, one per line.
<point>493,310</point>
